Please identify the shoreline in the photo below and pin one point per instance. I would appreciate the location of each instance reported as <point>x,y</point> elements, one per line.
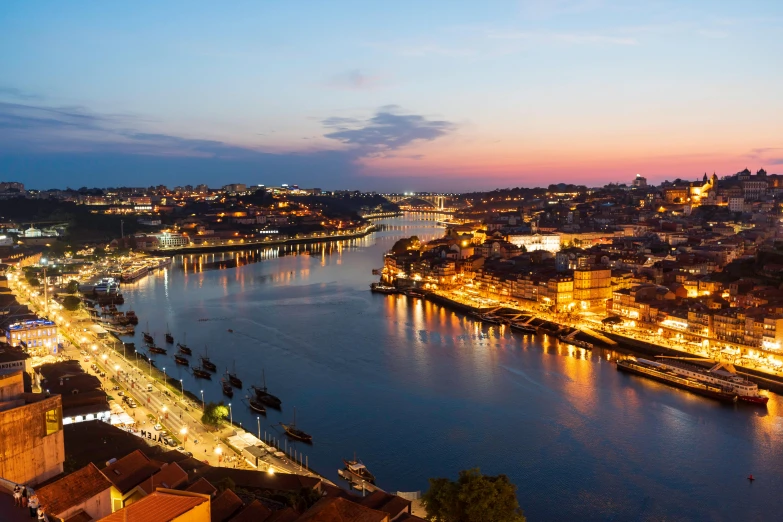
<point>627,345</point>
<point>227,247</point>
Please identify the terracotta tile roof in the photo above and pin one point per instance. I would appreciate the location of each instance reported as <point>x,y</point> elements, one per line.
<point>284,515</point>
<point>382,501</point>
<point>170,476</point>
<point>79,516</point>
<point>156,507</point>
<point>202,485</point>
<point>252,479</point>
<point>332,509</point>
<point>253,512</point>
<point>130,471</point>
<point>73,489</point>
<point>225,506</point>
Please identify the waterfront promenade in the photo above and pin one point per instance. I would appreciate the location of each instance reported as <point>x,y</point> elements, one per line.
<point>165,404</point>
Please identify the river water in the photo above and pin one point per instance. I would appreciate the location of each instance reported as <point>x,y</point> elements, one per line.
<point>417,390</point>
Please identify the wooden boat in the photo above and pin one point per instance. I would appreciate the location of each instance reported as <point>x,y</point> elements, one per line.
<point>256,406</point>
<point>184,349</point>
<point>181,360</point>
<point>263,395</point>
<point>292,431</point>
<point>169,337</point>
<point>206,363</point>
<point>201,373</point>
<point>228,391</point>
<point>232,377</point>
<point>156,349</point>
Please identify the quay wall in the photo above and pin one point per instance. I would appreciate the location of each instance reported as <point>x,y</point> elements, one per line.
<point>631,346</point>
<point>205,249</point>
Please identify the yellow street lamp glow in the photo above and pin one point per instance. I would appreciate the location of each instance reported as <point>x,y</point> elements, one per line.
<point>164,408</point>
<point>104,357</point>
<point>218,450</point>
<point>116,367</point>
<point>183,431</point>
<point>271,470</point>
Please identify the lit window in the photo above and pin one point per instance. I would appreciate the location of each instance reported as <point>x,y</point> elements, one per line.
<point>53,421</point>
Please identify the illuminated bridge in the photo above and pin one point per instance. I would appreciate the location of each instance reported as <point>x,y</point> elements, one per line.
<point>436,201</point>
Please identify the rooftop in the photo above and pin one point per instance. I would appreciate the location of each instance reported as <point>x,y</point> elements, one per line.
<point>160,506</point>
<point>335,509</point>
<point>130,471</point>
<point>73,489</point>
<point>253,512</point>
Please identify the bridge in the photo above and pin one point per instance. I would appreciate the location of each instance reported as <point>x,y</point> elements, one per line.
<point>437,201</point>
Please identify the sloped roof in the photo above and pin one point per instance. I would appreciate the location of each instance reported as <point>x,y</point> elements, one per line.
<point>253,512</point>
<point>336,509</point>
<point>225,506</point>
<point>130,471</point>
<point>73,489</point>
<point>202,485</point>
<point>156,507</point>
<point>170,476</point>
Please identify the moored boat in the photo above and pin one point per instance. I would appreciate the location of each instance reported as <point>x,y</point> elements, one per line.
<point>147,337</point>
<point>357,470</point>
<point>201,373</point>
<point>156,349</point>
<point>228,391</point>
<point>524,328</point>
<point>383,289</point>
<point>181,360</point>
<point>263,395</point>
<point>206,363</point>
<point>661,373</point>
<point>233,378</point>
<point>256,406</point>
<point>184,349</point>
<point>292,431</point>
<point>168,336</point>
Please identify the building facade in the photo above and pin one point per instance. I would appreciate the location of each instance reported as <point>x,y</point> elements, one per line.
<point>37,335</point>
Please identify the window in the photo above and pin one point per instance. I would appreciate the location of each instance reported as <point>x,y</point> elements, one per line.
<point>53,421</point>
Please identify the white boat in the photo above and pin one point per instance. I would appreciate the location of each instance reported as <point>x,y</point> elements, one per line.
<point>721,374</point>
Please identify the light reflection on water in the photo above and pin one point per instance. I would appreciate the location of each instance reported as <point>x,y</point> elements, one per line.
<point>418,390</point>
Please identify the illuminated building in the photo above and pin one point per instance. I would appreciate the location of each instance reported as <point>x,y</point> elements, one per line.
<point>592,287</point>
<point>36,333</point>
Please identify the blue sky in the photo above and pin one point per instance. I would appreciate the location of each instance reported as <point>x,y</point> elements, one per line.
<point>392,96</point>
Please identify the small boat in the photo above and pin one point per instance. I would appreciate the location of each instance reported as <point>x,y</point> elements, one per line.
<point>264,397</point>
<point>201,373</point>
<point>357,470</point>
<point>206,363</point>
<point>230,330</point>
<point>130,315</point>
<point>233,379</point>
<point>521,327</point>
<point>256,406</point>
<point>292,431</point>
<point>147,337</point>
<point>184,349</point>
<point>227,389</point>
<point>169,337</point>
<point>383,289</point>
<point>156,349</point>
<point>181,360</point>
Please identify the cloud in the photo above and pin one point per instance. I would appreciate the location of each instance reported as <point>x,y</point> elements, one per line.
<point>356,80</point>
<point>567,38</point>
<point>540,9</point>
<point>13,92</point>
<point>767,155</point>
<point>387,131</point>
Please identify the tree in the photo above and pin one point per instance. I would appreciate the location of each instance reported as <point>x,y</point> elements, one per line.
<point>71,303</point>
<point>72,287</point>
<point>405,244</point>
<point>214,414</point>
<point>472,497</point>
<point>33,281</point>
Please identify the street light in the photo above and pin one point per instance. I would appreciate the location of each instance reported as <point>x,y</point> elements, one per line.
<point>182,389</point>
<point>202,401</point>
<point>259,427</point>
<point>218,452</point>
<point>164,377</point>
<point>184,433</point>
<point>164,411</point>
<point>231,414</point>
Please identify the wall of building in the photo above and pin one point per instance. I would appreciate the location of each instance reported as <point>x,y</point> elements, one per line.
<point>29,455</point>
<point>97,507</point>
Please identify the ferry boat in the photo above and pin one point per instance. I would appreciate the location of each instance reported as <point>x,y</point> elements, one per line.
<point>292,431</point>
<point>383,289</point>
<point>133,272</point>
<point>201,373</point>
<point>357,470</point>
<point>663,373</point>
<point>264,397</point>
<point>256,406</point>
<point>721,374</point>
<point>181,360</point>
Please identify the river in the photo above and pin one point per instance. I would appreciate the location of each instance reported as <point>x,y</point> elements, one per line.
<point>417,390</point>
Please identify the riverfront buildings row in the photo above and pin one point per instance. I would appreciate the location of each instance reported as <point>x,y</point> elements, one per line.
<point>692,272</point>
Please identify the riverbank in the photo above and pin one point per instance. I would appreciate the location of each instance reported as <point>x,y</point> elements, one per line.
<point>624,344</point>
<point>230,244</point>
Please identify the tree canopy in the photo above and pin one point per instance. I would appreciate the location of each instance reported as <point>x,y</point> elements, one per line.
<point>72,287</point>
<point>214,414</point>
<point>405,244</point>
<point>71,303</point>
<point>472,497</point>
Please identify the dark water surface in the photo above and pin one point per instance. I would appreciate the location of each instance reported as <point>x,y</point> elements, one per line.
<point>419,391</point>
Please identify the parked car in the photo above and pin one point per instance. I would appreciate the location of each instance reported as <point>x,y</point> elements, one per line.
<point>158,427</point>
<point>120,393</point>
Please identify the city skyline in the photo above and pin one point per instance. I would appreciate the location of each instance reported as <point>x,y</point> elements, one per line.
<point>390,98</point>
